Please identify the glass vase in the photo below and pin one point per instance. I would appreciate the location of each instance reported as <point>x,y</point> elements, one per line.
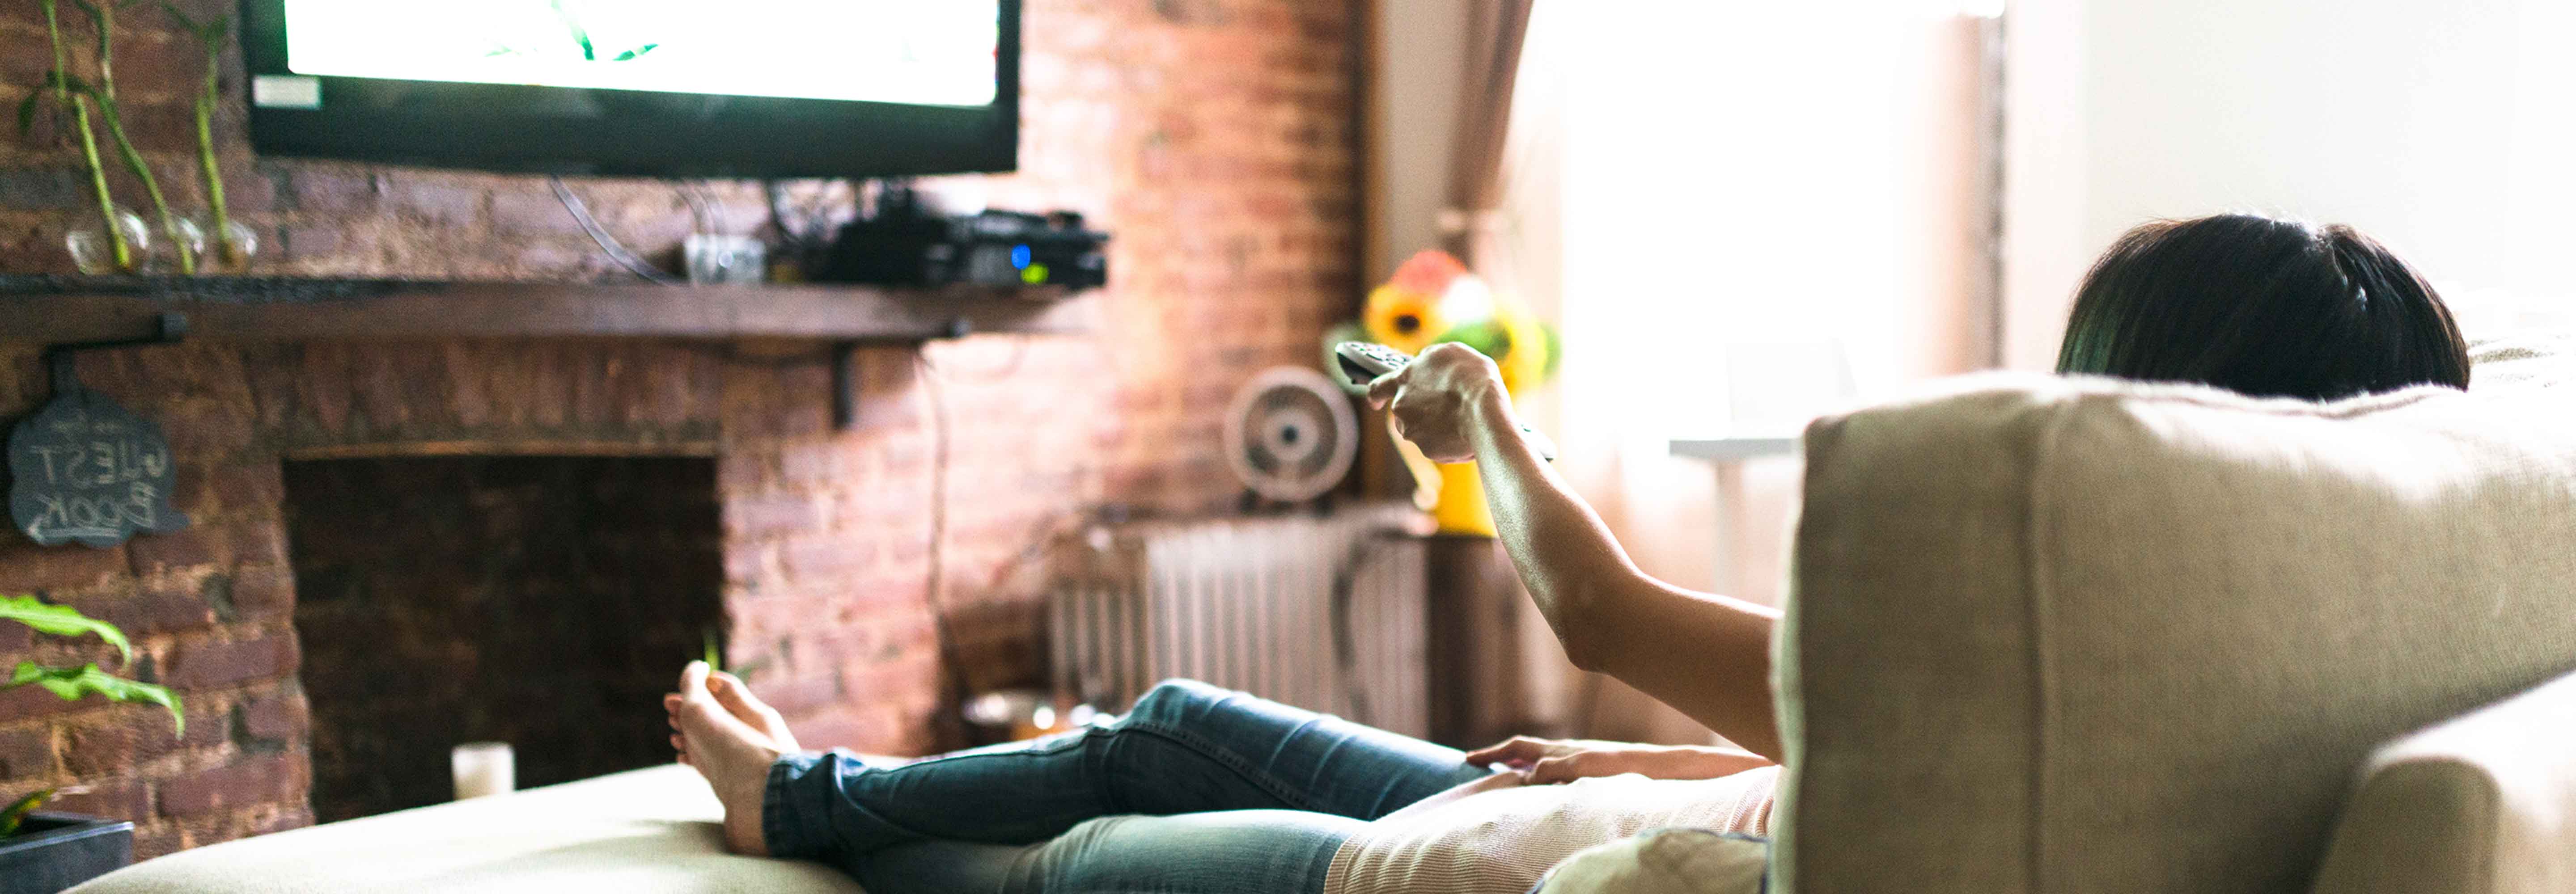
<point>92,252</point>
<point>226,252</point>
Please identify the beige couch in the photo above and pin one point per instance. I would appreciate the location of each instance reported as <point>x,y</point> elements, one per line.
<point>2045,636</point>
<point>643,832</point>
<point>2084,636</point>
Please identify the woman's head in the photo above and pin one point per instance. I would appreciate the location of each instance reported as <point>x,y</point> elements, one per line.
<point>2265,307</point>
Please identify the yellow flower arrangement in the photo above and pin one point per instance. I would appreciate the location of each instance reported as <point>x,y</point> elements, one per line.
<point>1431,299</point>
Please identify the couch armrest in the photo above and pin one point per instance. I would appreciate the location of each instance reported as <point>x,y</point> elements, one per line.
<point>2481,804</point>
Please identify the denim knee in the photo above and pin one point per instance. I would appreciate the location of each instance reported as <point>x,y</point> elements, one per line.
<point>1173,699</point>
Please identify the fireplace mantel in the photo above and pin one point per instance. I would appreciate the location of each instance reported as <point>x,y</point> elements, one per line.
<point>65,309</point>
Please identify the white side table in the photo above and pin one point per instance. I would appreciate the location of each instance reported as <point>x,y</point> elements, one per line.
<point>1728,456</point>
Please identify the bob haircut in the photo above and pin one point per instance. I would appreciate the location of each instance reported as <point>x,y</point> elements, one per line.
<point>2269,308</point>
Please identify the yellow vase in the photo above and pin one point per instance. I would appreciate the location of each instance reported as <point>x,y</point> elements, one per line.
<point>1460,508</point>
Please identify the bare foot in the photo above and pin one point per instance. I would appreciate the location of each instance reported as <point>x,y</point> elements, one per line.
<point>737,698</point>
<point>732,755</point>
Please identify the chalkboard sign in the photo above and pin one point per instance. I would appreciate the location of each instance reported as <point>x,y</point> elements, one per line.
<point>86,470</point>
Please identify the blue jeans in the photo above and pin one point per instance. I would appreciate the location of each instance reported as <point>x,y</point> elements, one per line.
<point>1197,790</point>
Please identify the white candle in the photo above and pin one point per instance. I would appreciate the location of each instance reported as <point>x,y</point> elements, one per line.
<point>483,768</point>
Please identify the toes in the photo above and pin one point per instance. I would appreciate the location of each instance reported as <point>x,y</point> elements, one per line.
<point>693,681</point>
<point>725,681</point>
<point>679,744</point>
<point>736,697</point>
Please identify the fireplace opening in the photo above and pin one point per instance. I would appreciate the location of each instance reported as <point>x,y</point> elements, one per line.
<point>545,602</point>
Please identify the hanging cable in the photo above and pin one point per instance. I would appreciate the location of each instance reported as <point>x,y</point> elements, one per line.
<point>953,700</point>
<point>699,220</point>
<point>608,244</point>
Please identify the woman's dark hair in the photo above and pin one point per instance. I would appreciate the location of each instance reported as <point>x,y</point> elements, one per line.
<point>2270,308</point>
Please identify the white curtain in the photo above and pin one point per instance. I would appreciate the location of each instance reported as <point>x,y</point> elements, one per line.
<point>1739,213</point>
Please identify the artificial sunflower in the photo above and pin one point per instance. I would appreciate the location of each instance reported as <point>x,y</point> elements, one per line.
<point>1404,319</point>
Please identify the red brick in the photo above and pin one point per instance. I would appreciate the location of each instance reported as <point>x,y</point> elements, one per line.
<point>532,213</point>
<point>828,557</point>
<point>171,605</point>
<point>313,240</point>
<point>295,817</point>
<point>158,840</point>
<point>27,702</point>
<point>438,202</point>
<point>259,542</point>
<point>257,780</point>
<point>15,638</point>
<point>263,592</point>
<point>25,566</point>
<point>766,516</point>
<point>192,547</point>
<point>28,753</point>
<point>247,486</point>
<point>206,427</point>
<point>123,739</point>
<point>279,716</point>
<point>125,799</point>
<point>208,663</point>
<point>333,190</point>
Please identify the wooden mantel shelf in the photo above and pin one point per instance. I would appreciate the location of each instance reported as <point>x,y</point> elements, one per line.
<point>65,309</point>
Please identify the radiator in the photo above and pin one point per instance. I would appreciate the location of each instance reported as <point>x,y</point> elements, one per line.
<point>1249,604</point>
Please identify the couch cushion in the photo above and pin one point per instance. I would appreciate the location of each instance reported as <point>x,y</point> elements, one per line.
<point>2523,361</point>
<point>2483,804</point>
<point>2090,636</point>
<point>1664,861</point>
<point>641,832</point>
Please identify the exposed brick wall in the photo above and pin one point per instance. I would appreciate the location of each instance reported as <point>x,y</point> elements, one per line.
<point>1210,135</point>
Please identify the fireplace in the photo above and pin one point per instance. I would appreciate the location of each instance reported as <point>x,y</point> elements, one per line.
<point>541,601</point>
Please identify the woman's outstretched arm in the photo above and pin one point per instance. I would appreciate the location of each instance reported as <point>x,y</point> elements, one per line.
<point>1706,655</point>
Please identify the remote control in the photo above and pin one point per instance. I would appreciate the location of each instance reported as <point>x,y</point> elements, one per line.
<point>1364,361</point>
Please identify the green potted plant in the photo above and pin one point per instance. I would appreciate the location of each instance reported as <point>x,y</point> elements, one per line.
<point>47,852</point>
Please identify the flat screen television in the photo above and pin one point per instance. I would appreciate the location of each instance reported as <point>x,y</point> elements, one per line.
<point>679,88</point>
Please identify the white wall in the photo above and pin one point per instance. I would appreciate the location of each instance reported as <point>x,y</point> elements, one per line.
<point>2446,129</point>
<point>1417,60</point>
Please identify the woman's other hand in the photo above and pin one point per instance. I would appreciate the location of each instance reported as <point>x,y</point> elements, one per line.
<point>1441,397</point>
<point>1551,761</point>
<point>1520,752</point>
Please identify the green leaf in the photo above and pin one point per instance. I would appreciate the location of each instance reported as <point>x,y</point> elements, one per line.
<point>70,82</point>
<point>62,620</point>
<point>184,21</point>
<point>18,809</point>
<point>638,51</point>
<point>27,111</point>
<point>71,683</point>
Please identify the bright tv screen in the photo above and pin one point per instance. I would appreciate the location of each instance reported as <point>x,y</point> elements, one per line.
<point>745,87</point>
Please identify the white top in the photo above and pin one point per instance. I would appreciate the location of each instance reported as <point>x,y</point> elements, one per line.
<point>1503,841</point>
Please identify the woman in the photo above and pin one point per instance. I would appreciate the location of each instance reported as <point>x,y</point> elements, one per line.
<point>1200,790</point>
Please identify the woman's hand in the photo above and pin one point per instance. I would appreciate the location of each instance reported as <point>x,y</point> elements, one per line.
<point>1441,397</point>
<point>1550,761</point>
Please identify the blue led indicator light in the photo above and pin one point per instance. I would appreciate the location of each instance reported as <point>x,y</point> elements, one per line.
<point>1020,257</point>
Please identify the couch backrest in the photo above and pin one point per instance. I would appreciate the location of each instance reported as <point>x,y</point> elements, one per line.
<point>2052,635</point>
